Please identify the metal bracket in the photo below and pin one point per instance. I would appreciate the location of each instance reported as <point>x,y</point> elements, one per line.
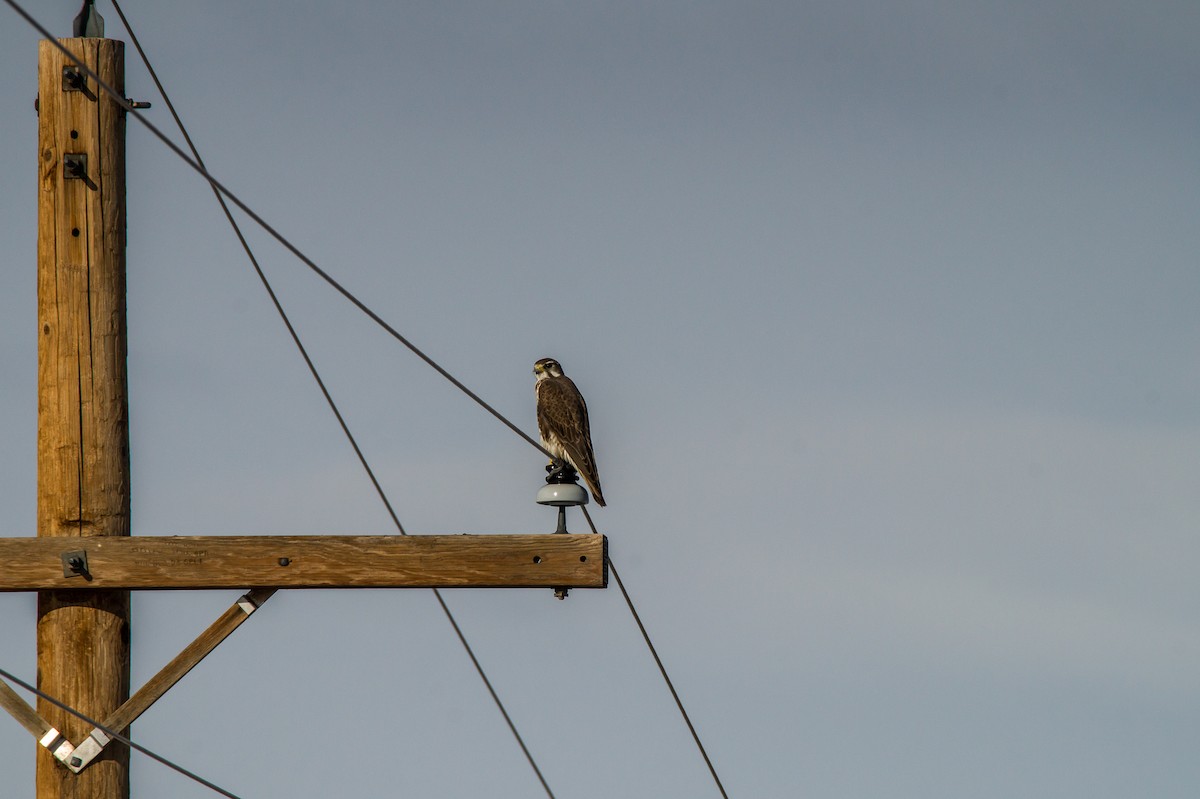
<point>75,166</point>
<point>59,746</point>
<point>72,79</point>
<point>74,564</point>
<point>86,752</point>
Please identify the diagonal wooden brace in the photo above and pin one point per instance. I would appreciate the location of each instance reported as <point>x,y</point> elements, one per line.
<point>77,758</point>
<point>46,735</point>
<point>170,674</point>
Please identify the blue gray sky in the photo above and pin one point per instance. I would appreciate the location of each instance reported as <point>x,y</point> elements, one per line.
<point>886,314</point>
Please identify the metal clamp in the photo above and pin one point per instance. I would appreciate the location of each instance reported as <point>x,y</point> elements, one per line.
<point>58,745</point>
<point>87,751</point>
<point>74,564</point>
<point>75,166</point>
<point>72,79</point>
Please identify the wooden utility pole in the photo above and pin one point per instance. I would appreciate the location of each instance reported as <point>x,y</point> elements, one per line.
<point>83,431</point>
<point>83,562</point>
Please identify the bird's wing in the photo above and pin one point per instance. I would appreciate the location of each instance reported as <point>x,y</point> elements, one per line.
<point>563,414</point>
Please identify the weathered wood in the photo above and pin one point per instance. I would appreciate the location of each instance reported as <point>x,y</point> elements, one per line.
<point>82,443</point>
<point>83,495</point>
<point>81,757</point>
<point>78,759</point>
<point>415,561</point>
<point>52,740</point>
<point>186,660</point>
<point>22,711</point>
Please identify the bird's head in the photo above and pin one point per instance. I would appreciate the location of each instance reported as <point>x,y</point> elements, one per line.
<point>547,367</point>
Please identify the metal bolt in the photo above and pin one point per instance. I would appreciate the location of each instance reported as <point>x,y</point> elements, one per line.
<point>72,79</point>
<point>75,165</point>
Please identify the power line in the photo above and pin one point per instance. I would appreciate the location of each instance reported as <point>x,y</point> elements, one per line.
<point>266,226</point>
<point>329,398</point>
<point>262,275</point>
<point>114,734</point>
<point>661,668</point>
<point>221,191</point>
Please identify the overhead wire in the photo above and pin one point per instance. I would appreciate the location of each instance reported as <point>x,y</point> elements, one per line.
<point>261,274</point>
<point>329,397</point>
<point>271,230</point>
<point>223,192</point>
<point>118,736</point>
<point>657,660</point>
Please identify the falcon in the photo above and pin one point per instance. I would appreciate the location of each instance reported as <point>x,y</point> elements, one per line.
<point>562,420</point>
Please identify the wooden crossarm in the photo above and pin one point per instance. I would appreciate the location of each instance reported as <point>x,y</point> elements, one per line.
<point>319,561</point>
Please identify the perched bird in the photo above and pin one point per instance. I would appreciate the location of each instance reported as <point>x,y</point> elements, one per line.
<point>562,419</point>
<point>89,23</point>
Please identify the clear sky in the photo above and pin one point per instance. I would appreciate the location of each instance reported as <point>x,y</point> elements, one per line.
<point>887,317</point>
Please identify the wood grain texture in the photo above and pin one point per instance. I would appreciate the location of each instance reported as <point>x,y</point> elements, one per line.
<point>415,561</point>
<point>182,663</point>
<point>82,442</point>
<point>22,711</point>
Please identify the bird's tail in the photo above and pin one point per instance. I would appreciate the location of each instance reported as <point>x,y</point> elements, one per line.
<point>597,494</point>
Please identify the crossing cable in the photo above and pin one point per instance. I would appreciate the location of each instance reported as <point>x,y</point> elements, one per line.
<point>661,668</point>
<point>328,397</point>
<point>270,229</point>
<point>220,189</point>
<point>114,734</point>
<point>262,275</point>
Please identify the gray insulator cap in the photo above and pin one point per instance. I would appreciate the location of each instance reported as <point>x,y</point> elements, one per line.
<point>562,495</point>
